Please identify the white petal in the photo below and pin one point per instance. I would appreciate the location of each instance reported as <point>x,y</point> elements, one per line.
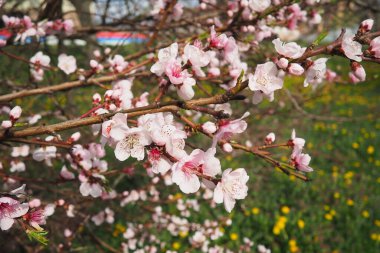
<point>218,194</point>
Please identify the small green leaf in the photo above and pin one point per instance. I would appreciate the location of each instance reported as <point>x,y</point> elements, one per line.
<point>39,236</point>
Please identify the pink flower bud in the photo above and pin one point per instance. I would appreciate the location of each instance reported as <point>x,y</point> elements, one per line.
<point>270,138</point>
<point>375,47</point>
<point>209,127</point>
<point>96,98</point>
<point>107,51</point>
<point>353,78</point>
<point>283,63</point>
<point>34,203</point>
<point>227,147</point>
<point>3,43</point>
<point>60,202</point>
<point>6,124</point>
<point>97,53</point>
<point>358,71</point>
<point>366,25</point>
<point>75,136</point>
<point>296,69</point>
<point>15,113</point>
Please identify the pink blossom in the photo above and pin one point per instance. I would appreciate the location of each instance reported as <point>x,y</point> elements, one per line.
<point>20,151</point>
<point>11,209</point>
<point>296,69</point>
<point>67,63</point>
<point>330,75</point>
<point>40,60</point>
<point>227,147</point>
<point>291,50</point>
<point>17,166</point>
<point>270,138</point>
<point>209,127</point>
<point>232,186</point>
<point>265,81</point>
<point>118,64</point>
<point>375,47</point>
<point>259,5</point>
<point>296,143</point>
<point>160,164</point>
<point>131,142</point>
<point>358,71</point>
<point>3,43</point>
<point>91,185</point>
<point>316,72</point>
<point>66,174</point>
<point>197,57</point>
<point>301,162</point>
<point>15,113</point>
<point>165,56</point>
<point>6,124</point>
<point>198,162</point>
<point>36,218</point>
<point>366,25</point>
<point>217,41</point>
<point>227,128</point>
<point>283,63</point>
<point>352,49</point>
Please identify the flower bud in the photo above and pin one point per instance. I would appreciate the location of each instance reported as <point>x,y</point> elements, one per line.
<point>366,25</point>
<point>283,63</point>
<point>15,113</point>
<point>75,136</point>
<point>6,124</point>
<point>270,138</point>
<point>209,127</point>
<point>296,69</point>
<point>358,71</point>
<point>227,147</point>
<point>96,98</point>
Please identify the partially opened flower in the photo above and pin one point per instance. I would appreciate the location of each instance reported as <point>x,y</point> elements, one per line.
<point>316,72</point>
<point>296,143</point>
<point>352,49</point>
<point>291,50</point>
<point>232,186</point>
<point>227,128</point>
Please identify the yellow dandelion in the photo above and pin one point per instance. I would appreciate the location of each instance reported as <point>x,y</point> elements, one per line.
<point>255,210</point>
<point>276,230</point>
<point>234,236</point>
<point>370,150</point>
<point>377,223</point>
<point>285,209</point>
<point>350,202</point>
<point>328,216</point>
<point>336,195</point>
<point>301,224</point>
<point>374,236</point>
<point>365,214</point>
<point>292,242</point>
<point>176,245</point>
<point>355,145</point>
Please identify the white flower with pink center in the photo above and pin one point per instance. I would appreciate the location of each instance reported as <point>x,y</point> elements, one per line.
<point>118,64</point>
<point>296,143</point>
<point>265,81</point>
<point>232,186</point>
<point>374,47</point>
<point>165,55</point>
<point>217,41</point>
<point>131,142</point>
<point>185,171</point>
<point>259,5</point>
<point>301,162</point>
<point>11,209</point>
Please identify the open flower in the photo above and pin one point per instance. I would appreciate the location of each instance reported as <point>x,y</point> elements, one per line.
<point>232,186</point>
<point>132,142</point>
<point>198,162</point>
<point>374,47</point>
<point>265,81</point>
<point>165,55</point>
<point>67,63</point>
<point>259,5</point>
<point>301,162</point>
<point>9,210</point>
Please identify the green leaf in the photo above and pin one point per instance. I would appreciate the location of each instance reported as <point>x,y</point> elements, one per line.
<point>39,236</point>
